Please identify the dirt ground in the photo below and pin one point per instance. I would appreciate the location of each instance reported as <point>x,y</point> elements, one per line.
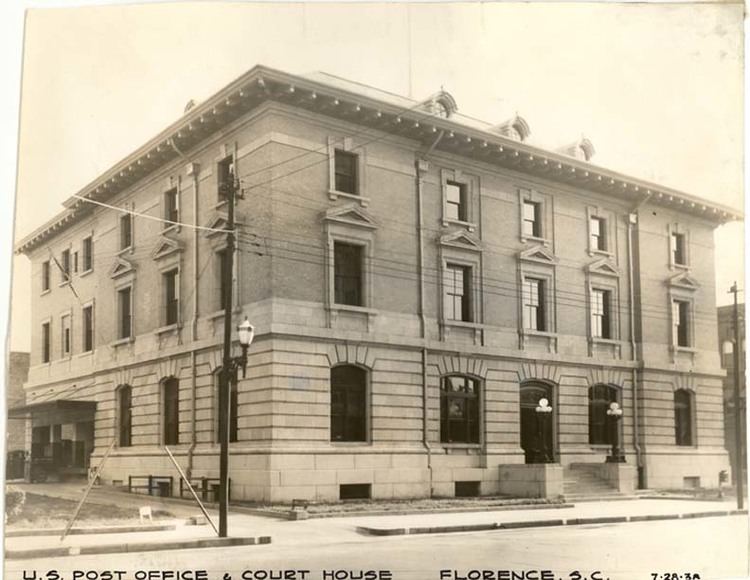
<point>41,511</point>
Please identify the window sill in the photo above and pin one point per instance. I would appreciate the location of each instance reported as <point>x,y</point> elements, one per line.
<point>462,324</point>
<point>168,328</point>
<point>468,225</point>
<point>65,283</point>
<point>86,272</point>
<point>596,252</point>
<point>44,292</point>
<point>675,266</point>
<point>221,204</point>
<point>333,195</point>
<point>541,333</point>
<point>85,353</point>
<point>600,340</point>
<point>351,443</point>
<point>215,315</point>
<point>129,250</point>
<point>171,228</point>
<point>123,341</point>
<point>461,445</point>
<point>348,308</point>
<point>686,349</point>
<point>543,241</point>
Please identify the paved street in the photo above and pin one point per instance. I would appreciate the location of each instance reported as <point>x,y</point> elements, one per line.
<point>711,547</point>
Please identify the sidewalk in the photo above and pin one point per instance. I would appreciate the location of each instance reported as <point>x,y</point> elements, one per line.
<point>306,534</point>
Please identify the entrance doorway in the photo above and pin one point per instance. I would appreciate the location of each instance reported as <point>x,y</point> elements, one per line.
<point>537,427</point>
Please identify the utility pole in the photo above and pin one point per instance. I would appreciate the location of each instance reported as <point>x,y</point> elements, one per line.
<point>738,440</point>
<point>229,191</point>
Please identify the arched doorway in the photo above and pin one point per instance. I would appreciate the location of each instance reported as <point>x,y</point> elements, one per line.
<point>537,428</point>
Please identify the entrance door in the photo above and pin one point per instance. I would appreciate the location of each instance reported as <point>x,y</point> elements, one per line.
<point>536,427</point>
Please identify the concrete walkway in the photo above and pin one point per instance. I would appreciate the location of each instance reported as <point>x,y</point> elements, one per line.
<point>323,531</point>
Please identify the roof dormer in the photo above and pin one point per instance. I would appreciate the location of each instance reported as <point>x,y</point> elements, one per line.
<point>581,149</point>
<point>515,128</point>
<point>441,104</point>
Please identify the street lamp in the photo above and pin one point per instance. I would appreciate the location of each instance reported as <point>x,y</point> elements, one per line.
<point>615,414</point>
<point>543,410</point>
<point>245,333</point>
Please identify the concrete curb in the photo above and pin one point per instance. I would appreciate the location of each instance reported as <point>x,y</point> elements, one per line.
<point>94,530</point>
<point>542,523</point>
<point>134,547</point>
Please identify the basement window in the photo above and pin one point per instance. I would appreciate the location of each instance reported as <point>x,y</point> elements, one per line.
<point>467,489</point>
<point>355,491</point>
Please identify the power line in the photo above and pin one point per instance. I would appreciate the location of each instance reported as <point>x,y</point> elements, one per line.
<point>150,217</point>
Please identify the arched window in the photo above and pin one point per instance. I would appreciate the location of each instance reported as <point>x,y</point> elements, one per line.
<point>683,417</point>
<point>600,430</point>
<point>537,427</point>
<point>459,409</point>
<point>348,403</point>
<point>233,407</point>
<point>124,415</point>
<point>171,414</point>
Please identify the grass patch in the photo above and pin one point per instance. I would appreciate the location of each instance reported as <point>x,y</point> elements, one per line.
<point>407,505</point>
<point>41,511</point>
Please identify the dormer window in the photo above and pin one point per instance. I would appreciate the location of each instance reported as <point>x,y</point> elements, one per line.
<point>515,128</point>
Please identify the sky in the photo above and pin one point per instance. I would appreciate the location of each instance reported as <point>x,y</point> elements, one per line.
<point>656,88</point>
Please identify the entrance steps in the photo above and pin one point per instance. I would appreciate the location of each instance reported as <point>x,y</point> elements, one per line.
<point>582,482</point>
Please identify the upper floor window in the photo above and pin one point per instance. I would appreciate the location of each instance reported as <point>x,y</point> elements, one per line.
<point>65,265</point>
<point>600,429</point>
<point>458,293</point>
<point>45,276</point>
<point>348,403</point>
<point>681,322</point>
<point>87,322</point>
<point>67,345</point>
<point>225,177</point>
<point>124,312</point>
<point>598,232</point>
<point>126,231</point>
<point>345,169</point>
<point>459,409</point>
<point>347,274</point>
<point>171,296</point>
<point>677,245</point>
<point>601,315</point>
<point>683,417</point>
<point>533,304</point>
<point>456,202</point>
<point>125,415</point>
<point>171,206</point>
<point>532,219</point>
<point>88,254</point>
<point>171,411</point>
<point>46,355</point>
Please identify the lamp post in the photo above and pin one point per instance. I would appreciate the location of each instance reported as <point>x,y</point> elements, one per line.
<point>245,334</point>
<point>543,410</point>
<point>615,414</point>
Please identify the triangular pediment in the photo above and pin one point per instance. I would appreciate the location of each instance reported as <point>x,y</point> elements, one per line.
<point>120,267</point>
<point>603,267</point>
<point>352,215</point>
<point>537,253</point>
<point>684,280</point>
<point>219,222</point>
<point>165,247</point>
<point>461,239</point>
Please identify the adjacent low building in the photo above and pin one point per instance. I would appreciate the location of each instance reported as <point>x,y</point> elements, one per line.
<point>441,308</point>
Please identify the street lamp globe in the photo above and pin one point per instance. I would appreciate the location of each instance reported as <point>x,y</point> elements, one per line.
<point>614,410</point>
<point>246,332</point>
<point>543,406</point>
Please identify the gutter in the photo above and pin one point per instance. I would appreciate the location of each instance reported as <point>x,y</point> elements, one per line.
<point>421,166</point>
<point>632,220</point>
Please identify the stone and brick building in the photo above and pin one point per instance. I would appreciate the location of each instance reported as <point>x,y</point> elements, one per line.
<point>419,281</point>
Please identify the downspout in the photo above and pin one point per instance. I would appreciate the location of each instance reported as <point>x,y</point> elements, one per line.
<point>421,167</point>
<point>632,220</point>
<point>193,170</point>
